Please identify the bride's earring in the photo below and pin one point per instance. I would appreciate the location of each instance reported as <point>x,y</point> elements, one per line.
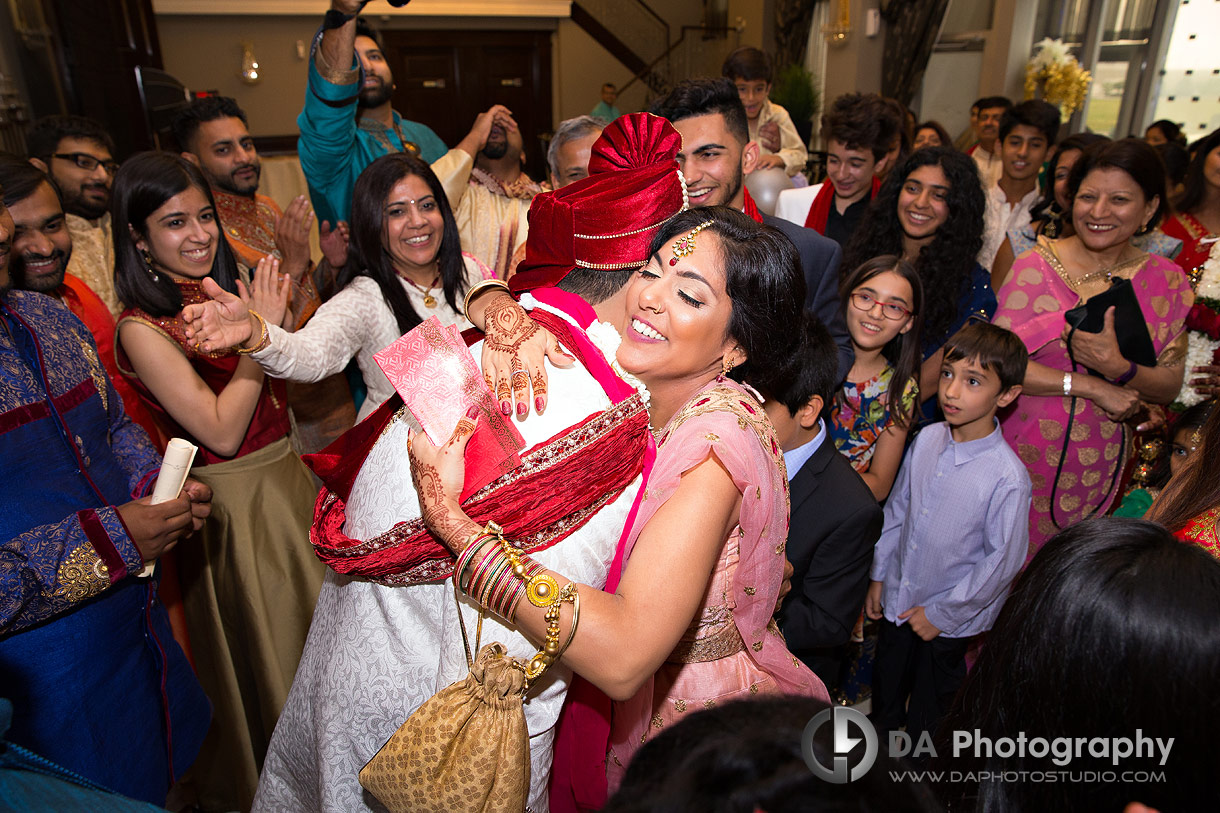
<point>726,367</point>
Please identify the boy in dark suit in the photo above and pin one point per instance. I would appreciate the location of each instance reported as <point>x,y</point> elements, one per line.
<point>835,520</point>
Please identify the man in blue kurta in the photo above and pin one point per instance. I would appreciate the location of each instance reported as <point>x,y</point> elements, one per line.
<point>348,122</point>
<point>97,682</point>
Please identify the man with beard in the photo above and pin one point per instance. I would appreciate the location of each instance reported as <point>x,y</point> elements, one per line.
<point>78,155</point>
<point>716,155</point>
<point>567,159</point>
<point>213,134</point>
<point>42,252</point>
<point>489,192</point>
<point>347,121</point>
<point>97,683</point>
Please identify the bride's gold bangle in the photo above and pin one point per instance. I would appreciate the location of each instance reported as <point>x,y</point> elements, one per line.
<point>551,650</point>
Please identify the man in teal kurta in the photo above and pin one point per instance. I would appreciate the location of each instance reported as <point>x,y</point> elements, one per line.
<point>348,122</point>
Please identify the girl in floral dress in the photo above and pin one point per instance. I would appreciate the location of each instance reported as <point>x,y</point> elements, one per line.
<point>882,303</point>
<point>872,414</point>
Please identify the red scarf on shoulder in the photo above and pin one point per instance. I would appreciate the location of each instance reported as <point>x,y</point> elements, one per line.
<point>750,207</point>
<point>819,212</point>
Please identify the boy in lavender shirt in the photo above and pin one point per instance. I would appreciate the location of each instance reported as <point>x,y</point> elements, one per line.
<point>955,534</point>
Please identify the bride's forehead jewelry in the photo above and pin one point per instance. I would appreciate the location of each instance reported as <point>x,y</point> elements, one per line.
<point>685,245</point>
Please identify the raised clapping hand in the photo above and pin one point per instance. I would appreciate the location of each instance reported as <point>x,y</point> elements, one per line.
<point>292,236</point>
<point>513,356</point>
<point>334,243</point>
<point>269,293</point>
<point>225,321</point>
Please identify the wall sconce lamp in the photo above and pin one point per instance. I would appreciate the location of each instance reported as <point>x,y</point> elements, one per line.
<point>249,65</point>
<point>837,32</point>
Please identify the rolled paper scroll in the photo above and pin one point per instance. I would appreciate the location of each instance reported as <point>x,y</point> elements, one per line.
<point>175,466</point>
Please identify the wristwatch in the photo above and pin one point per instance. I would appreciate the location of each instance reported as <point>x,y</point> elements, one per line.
<point>335,19</point>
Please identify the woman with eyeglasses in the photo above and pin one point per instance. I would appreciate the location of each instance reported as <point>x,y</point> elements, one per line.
<point>873,410</point>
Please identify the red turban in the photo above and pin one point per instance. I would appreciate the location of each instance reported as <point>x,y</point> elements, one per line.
<point>607,220</point>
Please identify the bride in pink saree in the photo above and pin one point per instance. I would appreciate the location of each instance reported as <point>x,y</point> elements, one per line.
<point>688,624</point>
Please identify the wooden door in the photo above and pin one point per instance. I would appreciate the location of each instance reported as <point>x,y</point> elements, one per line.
<point>444,79</point>
<point>102,42</point>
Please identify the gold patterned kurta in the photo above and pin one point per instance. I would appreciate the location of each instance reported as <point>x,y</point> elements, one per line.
<point>491,217</point>
<point>1201,531</point>
<point>93,258</point>
<point>323,410</point>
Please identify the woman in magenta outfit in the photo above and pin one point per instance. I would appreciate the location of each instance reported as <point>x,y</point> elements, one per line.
<point>1117,191</point>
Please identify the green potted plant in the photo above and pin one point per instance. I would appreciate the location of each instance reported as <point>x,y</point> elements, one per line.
<point>794,89</point>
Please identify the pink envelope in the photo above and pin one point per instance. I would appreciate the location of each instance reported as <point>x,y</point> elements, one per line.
<point>433,371</point>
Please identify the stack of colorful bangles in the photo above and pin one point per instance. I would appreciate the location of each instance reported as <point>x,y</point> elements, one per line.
<point>494,573</point>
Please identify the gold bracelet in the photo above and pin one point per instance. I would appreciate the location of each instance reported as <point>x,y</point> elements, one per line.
<point>475,289</point>
<point>541,589</point>
<point>550,649</point>
<point>575,621</point>
<point>264,338</point>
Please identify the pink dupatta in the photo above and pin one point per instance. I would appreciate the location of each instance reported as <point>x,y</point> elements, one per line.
<point>726,420</point>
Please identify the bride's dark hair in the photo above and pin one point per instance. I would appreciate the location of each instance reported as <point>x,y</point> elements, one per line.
<point>764,281</point>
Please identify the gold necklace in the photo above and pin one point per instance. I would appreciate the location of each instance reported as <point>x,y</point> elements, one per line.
<point>1107,273</point>
<point>429,299</point>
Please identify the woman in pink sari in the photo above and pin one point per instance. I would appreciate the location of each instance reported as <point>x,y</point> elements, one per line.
<point>689,624</point>
<point>1117,191</point>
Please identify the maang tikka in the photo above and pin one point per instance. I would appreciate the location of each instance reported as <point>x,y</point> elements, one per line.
<point>685,245</point>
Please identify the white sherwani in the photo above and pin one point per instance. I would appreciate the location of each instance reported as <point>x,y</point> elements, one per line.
<point>375,653</point>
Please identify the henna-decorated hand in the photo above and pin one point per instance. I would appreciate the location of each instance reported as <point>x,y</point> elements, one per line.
<point>513,356</point>
<point>439,474</point>
<point>1205,379</point>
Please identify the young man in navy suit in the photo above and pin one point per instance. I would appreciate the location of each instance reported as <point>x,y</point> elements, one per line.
<point>835,519</point>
